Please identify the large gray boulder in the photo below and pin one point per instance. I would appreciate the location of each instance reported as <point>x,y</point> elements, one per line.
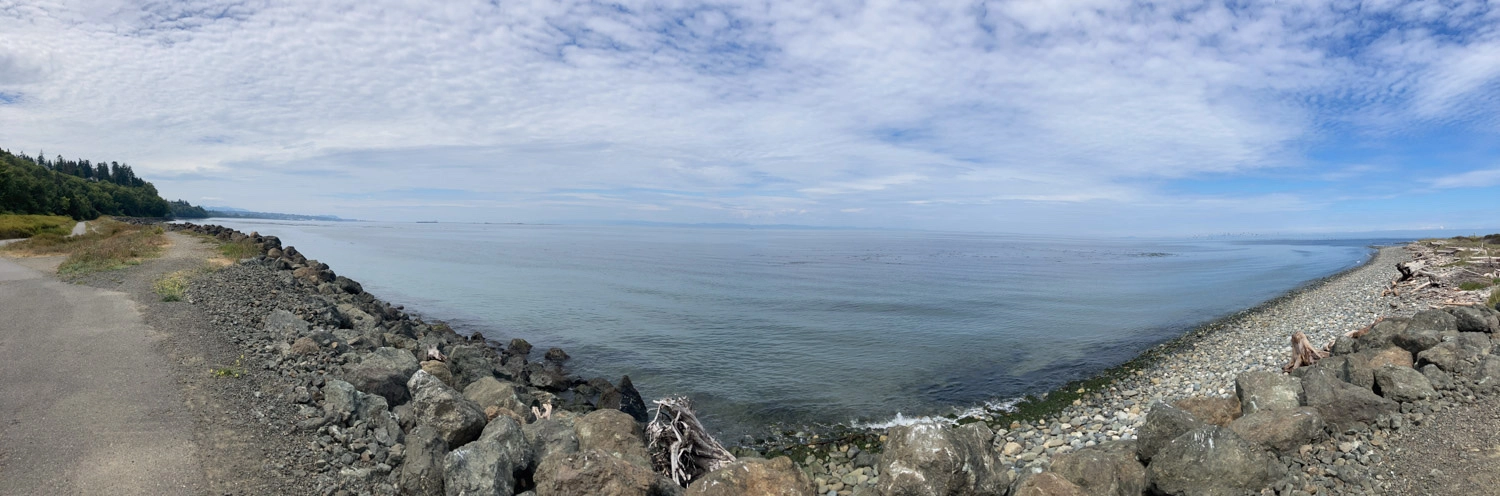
<point>1046,484</point>
<point>489,391</point>
<point>551,437</point>
<point>1343,404</point>
<point>1402,384</point>
<point>1163,424</point>
<point>1265,390</point>
<point>340,400</point>
<point>469,364</point>
<point>383,371</point>
<point>1443,380</point>
<point>358,319</point>
<point>422,472</point>
<point>1418,340</point>
<point>754,477</point>
<point>1212,461</point>
<point>456,419</point>
<point>1487,374</point>
<point>1474,319</point>
<point>625,398</point>
<point>1433,320</point>
<point>1107,470</point>
<point>929,459</point>
<point>1282,430</point>
<point>597,473</point>
<point>1381,334</point>
<point>1459,355</point>
<point>614,432</point>
<point>1211,409</point>
<point>488,465</point>
<point>1359,368</point>
<point>1338,366</point>
<point>286,325</point>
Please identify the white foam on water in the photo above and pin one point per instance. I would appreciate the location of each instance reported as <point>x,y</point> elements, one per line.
<point>992,406</point>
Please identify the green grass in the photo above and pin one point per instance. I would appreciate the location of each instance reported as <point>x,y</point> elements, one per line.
<point>1494,298</point>
<point>238,250</point>
<point>1473,285</point>
<point>108,245</point>
<point>26,226</point>
<point>171,286</point>
<point>235,370</point>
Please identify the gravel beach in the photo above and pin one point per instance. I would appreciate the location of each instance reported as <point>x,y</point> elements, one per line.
<point>1203,364</point>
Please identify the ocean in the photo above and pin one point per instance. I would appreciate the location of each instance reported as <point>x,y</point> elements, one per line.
<point>811,326</point>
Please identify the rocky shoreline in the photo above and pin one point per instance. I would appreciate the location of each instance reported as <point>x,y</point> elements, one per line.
<point>396,405</point>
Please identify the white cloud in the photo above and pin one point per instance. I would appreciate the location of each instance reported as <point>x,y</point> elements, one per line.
<point>751,110</point>
<point>1473,179</point>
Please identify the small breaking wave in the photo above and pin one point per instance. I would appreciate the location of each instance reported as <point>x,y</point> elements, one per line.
<point>992,406</point>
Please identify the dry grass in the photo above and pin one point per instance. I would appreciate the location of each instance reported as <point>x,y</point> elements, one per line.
<point>109,245</point>
<point>26,226</point>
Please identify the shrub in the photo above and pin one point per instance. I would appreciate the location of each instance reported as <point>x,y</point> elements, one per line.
<point>26,226</point>
<point>172,286</point>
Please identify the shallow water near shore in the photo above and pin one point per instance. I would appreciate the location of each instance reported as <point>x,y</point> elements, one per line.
<point>816,326</point>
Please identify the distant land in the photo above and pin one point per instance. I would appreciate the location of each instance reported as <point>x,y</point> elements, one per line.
<point>729,225</point>
<point>240,213</point>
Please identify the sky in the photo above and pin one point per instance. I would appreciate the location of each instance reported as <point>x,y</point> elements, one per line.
<point>1079,116</point>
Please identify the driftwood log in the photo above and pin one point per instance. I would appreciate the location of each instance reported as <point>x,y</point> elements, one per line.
<point>1412,269</point>
<point>680,446</point>
<point>1303,353</point>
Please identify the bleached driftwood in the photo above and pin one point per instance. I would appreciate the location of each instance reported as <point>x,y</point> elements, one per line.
<point>680,447</point>
<point>1366,330</point>
<point>1303,353</point>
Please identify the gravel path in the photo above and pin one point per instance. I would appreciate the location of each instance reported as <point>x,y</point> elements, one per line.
<point>88,406</point>
<point>1456,452</point>
<point>245,434</point>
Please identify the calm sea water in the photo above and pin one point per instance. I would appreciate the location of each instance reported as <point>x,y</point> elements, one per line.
<point>815,326</point>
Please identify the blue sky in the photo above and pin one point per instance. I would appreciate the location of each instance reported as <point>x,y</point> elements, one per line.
<point>1084,116</point>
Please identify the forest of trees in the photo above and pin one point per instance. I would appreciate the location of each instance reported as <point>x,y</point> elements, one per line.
<point>185,210</point>
<point>75,188</point>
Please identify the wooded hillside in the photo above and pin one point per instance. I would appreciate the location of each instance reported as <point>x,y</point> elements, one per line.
<point>75,188</point>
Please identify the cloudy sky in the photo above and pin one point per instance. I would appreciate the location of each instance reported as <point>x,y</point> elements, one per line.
<point>1031,116</point>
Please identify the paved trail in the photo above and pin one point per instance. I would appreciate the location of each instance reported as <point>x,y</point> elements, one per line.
<point>87,405</point>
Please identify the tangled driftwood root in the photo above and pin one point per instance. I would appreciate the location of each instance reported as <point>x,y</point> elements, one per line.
<point>680,446</point>
<point>1303,353</point>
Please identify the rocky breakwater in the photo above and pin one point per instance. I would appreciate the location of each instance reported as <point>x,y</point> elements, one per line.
<point>397,405</point>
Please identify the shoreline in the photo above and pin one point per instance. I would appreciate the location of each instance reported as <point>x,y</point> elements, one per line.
<point>745,429</point>
<point>1037,405</point>
<point>770,438</point>
<point>1108,407</point>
